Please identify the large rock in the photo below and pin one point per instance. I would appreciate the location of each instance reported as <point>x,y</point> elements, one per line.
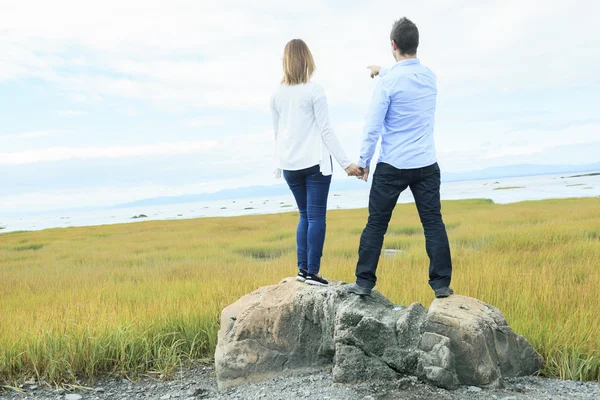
<point>292,327</point>
<point>465,341</point>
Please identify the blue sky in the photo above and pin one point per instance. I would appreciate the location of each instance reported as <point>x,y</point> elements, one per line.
<point>114,101</point>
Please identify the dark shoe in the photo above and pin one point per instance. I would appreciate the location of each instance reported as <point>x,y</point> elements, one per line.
<point>360,291</point>
<point>302,274</point>
<point>316,280</point>
<point>443,292</point>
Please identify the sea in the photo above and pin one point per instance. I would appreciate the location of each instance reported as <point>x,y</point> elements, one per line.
<point>503,191</point>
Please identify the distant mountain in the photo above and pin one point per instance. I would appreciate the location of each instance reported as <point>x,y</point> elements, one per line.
<point>354,184</point>
<point>513,171</point>
<point>228,194</point>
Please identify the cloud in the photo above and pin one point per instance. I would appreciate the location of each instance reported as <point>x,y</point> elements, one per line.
<point>33,135</point>
<point>204,122</point>
<point>199,55</point>
<point>70,113</point>
<point>88,153</point>
<point>566,145</point>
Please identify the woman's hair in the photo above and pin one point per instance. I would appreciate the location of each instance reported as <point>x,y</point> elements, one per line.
<point>298,63</point>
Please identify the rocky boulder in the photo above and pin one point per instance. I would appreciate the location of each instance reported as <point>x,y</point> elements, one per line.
<point>293,328</point>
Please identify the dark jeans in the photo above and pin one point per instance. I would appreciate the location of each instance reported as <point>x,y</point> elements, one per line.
<point>310,189</point>
<point>388,183</point>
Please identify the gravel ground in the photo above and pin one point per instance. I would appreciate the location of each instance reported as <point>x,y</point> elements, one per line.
<point>200,383</point>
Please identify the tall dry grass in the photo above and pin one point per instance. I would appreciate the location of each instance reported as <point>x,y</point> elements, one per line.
<point>145,297</point>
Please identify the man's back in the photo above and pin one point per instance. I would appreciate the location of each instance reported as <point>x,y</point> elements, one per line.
<point>407,138</point>
<point>403,112</point>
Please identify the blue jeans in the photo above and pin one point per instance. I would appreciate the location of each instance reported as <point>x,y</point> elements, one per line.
<point>388,183</point>
<point>310,189</point>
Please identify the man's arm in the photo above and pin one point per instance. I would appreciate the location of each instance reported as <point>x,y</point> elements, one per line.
<point>377,70</point>
<point>330,140</point>
<point>374,125</point>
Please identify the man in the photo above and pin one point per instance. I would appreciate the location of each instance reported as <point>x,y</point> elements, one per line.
<point>402,112</point>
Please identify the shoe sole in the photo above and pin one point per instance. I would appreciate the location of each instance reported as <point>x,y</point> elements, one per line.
<point>444,295</point>
<point>315,283</point>
<point>300,279</point>
<point>361,294</point>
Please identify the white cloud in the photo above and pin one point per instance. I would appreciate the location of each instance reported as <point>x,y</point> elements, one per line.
<point>534,146</point>
<point>204,122</point>
<point>70,113</point>
<point>33,134</point>
<point>89,153</point>
<point>185,54</point>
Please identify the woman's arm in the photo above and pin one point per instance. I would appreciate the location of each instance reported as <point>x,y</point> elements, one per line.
<point>275,117</point>
<point>322,118</point>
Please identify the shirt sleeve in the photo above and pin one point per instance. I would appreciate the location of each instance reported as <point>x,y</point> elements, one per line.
<point>383,72</point>
<point>329,138</point>
<point>275,117</point>
<point>374,124</point>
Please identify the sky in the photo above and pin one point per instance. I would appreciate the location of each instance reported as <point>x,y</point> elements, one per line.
<point>114,101</point>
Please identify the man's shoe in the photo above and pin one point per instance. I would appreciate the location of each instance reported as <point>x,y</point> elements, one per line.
<point>302,274</point>
<point>360,291</point>
<point>316,280</point>
<point>443,292</point>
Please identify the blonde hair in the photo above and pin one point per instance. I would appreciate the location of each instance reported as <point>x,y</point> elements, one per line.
<point>298,63</point>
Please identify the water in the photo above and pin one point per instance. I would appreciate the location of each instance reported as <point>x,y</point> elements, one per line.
<point>528,188</point>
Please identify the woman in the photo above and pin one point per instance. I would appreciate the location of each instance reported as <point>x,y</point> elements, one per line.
<point>304,144</point>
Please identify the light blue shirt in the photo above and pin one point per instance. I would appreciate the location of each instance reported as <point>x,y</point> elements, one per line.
<point>402,112</point>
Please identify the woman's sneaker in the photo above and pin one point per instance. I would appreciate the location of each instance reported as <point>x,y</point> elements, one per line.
<point>316,280</point>
<point>302,275</point>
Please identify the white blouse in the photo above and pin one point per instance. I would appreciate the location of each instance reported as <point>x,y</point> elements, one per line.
<point>303,135</point>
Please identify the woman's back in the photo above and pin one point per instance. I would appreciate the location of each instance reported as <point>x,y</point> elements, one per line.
<point>299,143</point>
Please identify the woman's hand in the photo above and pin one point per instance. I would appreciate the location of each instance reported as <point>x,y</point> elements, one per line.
<point>354,170</point>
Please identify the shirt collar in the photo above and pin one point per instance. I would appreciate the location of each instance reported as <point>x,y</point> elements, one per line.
<point>410,61</point>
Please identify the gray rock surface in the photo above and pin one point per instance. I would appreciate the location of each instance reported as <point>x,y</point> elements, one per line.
<point>202,380</point>
<point>468,342</point>
<point>295,328</point>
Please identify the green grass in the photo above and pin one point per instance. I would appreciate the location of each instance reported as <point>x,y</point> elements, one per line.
<point>145,297</point>
<point>32,246</point>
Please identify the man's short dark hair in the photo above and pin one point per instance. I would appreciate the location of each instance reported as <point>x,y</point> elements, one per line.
<point>406,36</point>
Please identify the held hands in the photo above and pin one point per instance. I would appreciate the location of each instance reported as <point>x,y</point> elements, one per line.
<point>359,172</point>
<point>365,174</point>
<point>374,70</point>
<point>354,170</point>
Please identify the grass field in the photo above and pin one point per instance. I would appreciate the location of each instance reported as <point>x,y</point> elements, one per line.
<point>146,296</point>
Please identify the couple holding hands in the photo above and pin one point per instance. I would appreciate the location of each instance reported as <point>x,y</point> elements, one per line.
<point>402,114</point>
